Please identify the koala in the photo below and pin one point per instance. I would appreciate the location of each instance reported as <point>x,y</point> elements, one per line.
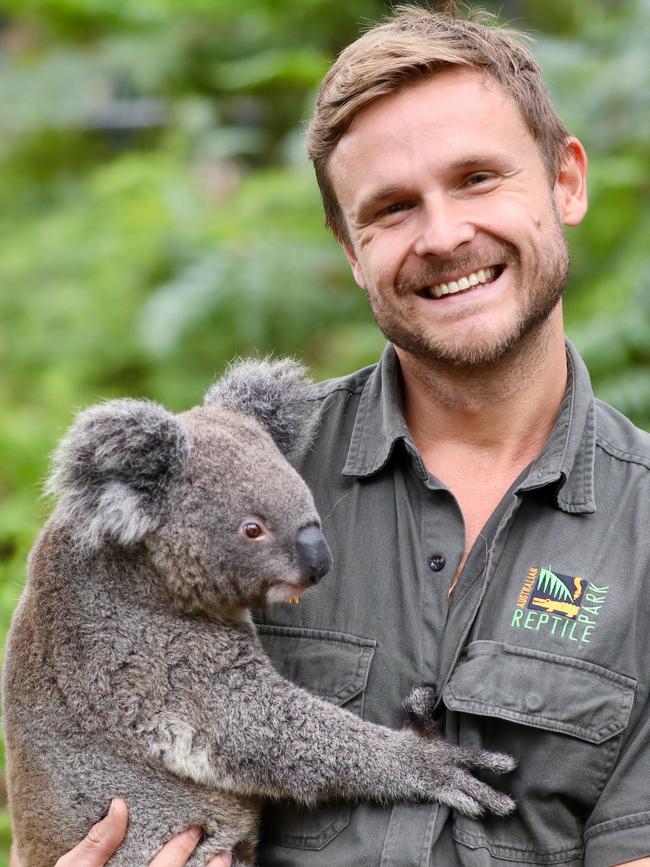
<point>133,667</point>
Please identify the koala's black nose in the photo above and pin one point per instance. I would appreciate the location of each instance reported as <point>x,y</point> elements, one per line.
<point>314,555</point>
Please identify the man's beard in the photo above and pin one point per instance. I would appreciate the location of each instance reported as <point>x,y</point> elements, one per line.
<point>546,287</point>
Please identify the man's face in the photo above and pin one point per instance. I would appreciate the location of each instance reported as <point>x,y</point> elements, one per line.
<point>455,229</point>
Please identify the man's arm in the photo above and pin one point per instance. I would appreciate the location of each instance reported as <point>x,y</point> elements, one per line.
<point>105,837</point>
<point>641,862</point>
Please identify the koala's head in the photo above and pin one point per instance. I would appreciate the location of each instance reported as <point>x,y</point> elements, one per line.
<point>224,518</point>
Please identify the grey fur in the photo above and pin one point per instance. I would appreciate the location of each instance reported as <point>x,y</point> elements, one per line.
<point>133,667</point>
<point>113,470</point>
<point>419,705</point>
<point>272,392</point>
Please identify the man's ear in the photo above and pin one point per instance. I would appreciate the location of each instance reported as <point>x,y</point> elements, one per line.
<point>272,392</point>
<point>570,189</point>
<point>113,470</point>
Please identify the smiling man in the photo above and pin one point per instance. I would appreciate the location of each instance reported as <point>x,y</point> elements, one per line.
<point>488,518</point>
<point>451,227</point>
<point>483,510</point>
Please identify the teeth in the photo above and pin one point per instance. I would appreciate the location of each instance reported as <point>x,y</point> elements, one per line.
<point>483,275</point>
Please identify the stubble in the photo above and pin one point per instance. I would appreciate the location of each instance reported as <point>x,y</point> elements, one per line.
<point>402,323</point>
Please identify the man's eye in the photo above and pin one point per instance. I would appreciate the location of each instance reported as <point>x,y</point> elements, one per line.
<point>396,208</point>
<point>478,178</point>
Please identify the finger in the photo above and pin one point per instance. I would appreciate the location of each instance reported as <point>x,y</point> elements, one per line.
<point>101,841</point>
<point>178,850</point>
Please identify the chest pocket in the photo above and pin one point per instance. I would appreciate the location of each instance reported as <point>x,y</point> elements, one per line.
<point>562,718</point>
<point>334,666</point>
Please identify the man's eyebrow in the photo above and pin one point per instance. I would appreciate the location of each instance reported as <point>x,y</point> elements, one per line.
<point>486,159</point>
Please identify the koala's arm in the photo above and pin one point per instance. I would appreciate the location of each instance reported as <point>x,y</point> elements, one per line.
<point>275,739</point>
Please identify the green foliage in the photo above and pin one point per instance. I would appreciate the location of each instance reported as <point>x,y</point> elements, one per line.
<point>158,216</point>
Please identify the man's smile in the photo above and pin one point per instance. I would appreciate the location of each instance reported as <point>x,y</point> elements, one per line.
<point>462,283</point>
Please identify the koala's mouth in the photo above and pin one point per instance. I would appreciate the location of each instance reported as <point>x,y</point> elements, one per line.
<point>285,591</point>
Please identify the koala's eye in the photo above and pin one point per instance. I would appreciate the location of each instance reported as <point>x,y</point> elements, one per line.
<point>252,530</point>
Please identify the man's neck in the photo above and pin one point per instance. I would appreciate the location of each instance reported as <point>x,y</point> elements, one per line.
<point>477,429</point>
<point>501,413</point>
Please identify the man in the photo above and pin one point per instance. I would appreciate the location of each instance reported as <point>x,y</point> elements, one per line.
<point>487,517</point>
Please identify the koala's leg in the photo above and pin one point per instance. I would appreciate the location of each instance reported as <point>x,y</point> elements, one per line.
<point>231,835</point>
<point>272,738</point>
<point>156,816</point>
<point>73,789</point>
<point>243,855</point>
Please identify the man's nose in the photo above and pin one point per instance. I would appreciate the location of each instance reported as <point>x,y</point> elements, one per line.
<point>314,556</point>
<point>444,226</point>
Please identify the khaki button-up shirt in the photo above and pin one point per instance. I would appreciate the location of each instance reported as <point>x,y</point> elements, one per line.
<point>542,652</point>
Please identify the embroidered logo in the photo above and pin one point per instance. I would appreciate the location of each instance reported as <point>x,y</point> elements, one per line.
<point>567,606</point>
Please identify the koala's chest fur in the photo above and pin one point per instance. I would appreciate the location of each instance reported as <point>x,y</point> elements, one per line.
<point>133,654</point>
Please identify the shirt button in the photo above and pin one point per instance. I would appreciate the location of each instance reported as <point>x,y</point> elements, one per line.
<point>437,562</point>
<point>534,702</point>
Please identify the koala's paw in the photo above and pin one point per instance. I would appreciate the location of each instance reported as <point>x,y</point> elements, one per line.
<point>471,797</point>
<point>454,784</point>
<point>459,789</point>
<point>419,704</point>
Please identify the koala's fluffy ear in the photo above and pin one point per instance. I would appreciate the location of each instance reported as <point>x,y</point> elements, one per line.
<point>273,392</point>
<point>114,468</point>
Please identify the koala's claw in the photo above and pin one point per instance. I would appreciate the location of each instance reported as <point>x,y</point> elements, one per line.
<point>471,797</point>
<point>459,789</point>
<point>484,760</point>
<point>498,763</point>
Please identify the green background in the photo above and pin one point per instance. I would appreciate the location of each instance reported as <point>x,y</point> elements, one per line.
<point>158,215</point>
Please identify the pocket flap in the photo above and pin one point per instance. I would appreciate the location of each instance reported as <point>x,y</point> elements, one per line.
<point>542,690</point>
<point>333,665</point>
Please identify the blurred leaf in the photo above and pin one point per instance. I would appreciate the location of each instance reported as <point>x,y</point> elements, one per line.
<point>295,67</point>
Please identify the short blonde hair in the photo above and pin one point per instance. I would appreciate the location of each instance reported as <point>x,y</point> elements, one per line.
<point>412,44</point>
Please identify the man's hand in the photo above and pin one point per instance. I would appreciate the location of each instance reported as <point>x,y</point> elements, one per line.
<point>105,837</point>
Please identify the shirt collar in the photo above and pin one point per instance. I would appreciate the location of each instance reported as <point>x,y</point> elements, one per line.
<point>379,421</point>
<point>567,460</point>
<point>568,457</point>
